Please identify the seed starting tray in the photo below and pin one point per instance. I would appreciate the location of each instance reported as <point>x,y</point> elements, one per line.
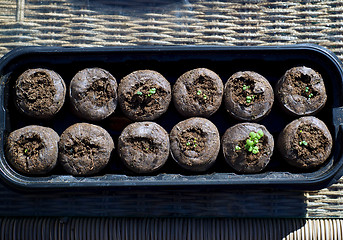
<point>270,61</point>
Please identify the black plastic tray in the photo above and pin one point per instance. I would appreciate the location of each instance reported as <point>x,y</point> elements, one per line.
<point>270,61</point>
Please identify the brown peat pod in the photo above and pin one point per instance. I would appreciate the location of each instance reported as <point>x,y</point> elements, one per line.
<point>247,147</point>
<point>305,142</point>
<point>85,149</point>
<point>93,94</point>
<point>301,91</point>
<point>39,93</point>
<point>248,96</point>
<point>32,149</point>
<point>144,95</point>
<point>198,93</point>
<point>143,147</point>
<point>195,144</point>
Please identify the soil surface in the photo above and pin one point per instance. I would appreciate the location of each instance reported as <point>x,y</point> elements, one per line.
<point>40,93</point>
<point>195,144</point>
<point>305,142</point>
<point>301,91</point>
<point>85,149</point>
<point>32,149</point>
<point>144,95</point>
<point>93,94</point>
<point>198,92</point>
<point>248,96</point>
<point>241,159</point>
<point>143,147</point>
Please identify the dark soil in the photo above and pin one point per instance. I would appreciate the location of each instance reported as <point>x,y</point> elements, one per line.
<point>252,158</point>
<point>316,141</point>
<point>85,149</point>
<point>203,90</point>
<point>142,101</point>
<point>29,147</point>
<point>38,91</point>
<point>193,139</point>
<point>146,145</point>
<point>240,95</point>
<point>100,92</point>
<point>302,85</point>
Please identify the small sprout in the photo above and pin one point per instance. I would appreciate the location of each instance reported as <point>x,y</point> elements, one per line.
<point>195,145</point>
<point>139,93</point>
<point>250,142</point>
<point>237,148</point>
<point>307,89</point>
<point>245,87</point>
<point>252,135</point>
<point>259,134</point>
<point>188,143</point>
<point>205,97</point>
<point>248,101</point>
<point>198,92</point>
<point>303,143</point>
<point>311,95</point>
<point>249,97</point>
<point>250,149</point>
<point>255,141</point>
<point>151,91</point>
<point>255,150</point>
<point>301,131</point>
<point>26,150</point>
<point>147,149</point>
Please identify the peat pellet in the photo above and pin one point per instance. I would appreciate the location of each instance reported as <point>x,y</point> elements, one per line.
<point>305,143</point>
<point>144,95</point>
<point>32,149</point>
<point>301,91</point>
<point>39,93</point>
<point>247,147</point>
<point>85,149</point>
<point>198,93</point>
<point>248,96</point>
<point>143,147</point>
<point>195,144</point>
<point>93,94</point>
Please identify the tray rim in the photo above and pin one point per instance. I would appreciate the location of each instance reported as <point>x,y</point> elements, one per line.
<point>67,181</point>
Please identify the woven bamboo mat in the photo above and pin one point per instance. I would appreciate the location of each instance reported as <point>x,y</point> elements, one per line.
<point>169,228</point>
<point>171,22</point>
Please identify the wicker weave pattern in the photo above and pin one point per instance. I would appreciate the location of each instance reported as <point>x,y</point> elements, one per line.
<point>166,22</point>
<point>170,228</point>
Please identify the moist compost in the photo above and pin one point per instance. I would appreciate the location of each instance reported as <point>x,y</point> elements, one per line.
<point>93,94</point>
<point>144,95</point>
<point>195,144</point>
<point>305,143</point>
<point>248,96</point>
<point>32,149</point>
<point>198,92</point>
<point>236,150</point>
<point>85,149</point>
<point>143,147</point>
<point>39,93</point>
<point>301,91</point>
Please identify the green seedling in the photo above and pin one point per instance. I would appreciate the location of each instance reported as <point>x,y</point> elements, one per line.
<point>26,150</point>
<point>139,93</point>
<point>237,148</point>
<point>199,92</point>
<point>251,142</point>
<point>311,95</point>
<point>307,89</point>
<point>188,143</point>
<point>301,131</point>
<point>205,97</point>
<point>195,145</point>
<point>303,143</point>
<point>151,91</point>
<point>245,87</point>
